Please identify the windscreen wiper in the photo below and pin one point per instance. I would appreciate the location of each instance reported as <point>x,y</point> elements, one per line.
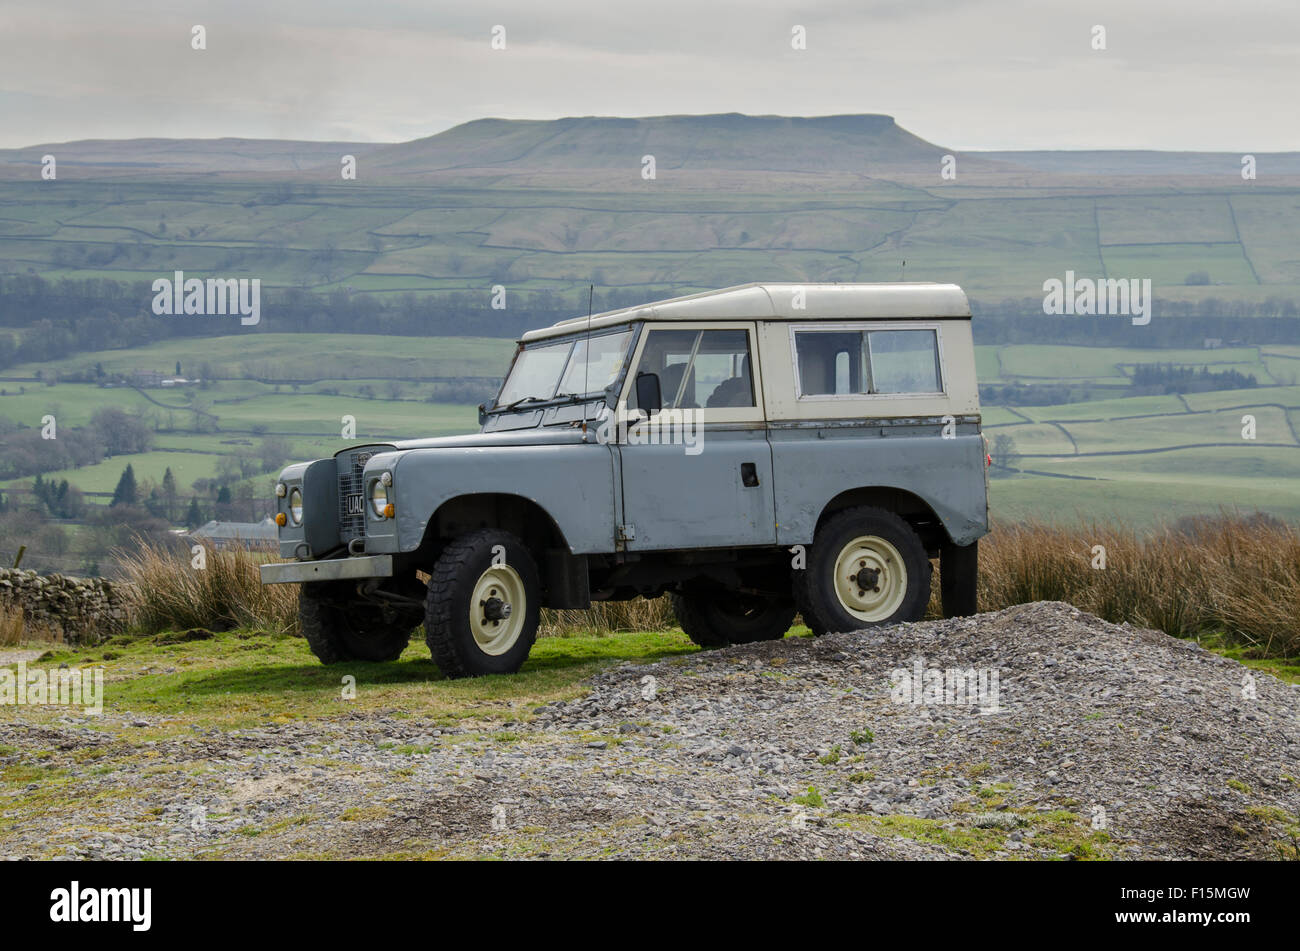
<point>519,402</point>
<point>557,398</point>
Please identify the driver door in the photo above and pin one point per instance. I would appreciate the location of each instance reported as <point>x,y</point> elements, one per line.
<point>699,473</point>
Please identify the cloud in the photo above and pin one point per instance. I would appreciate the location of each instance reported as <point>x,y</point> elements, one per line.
<point>992,74</point>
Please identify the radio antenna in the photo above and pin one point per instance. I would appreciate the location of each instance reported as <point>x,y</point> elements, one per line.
<point>586,369</point>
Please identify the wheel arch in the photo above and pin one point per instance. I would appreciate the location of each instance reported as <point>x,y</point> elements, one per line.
<point>519,515</point>
<point>909,506</point>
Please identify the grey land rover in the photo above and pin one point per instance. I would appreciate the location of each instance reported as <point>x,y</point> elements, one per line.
<point>753,452</point>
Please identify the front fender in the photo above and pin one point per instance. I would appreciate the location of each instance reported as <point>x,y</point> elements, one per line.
<point>573,483</point>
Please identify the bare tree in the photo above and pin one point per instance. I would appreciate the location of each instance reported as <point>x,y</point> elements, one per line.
<point>1005,456</point>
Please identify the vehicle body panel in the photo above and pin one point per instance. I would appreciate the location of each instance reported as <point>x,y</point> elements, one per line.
<point>764,474</point>
<point>571,480</point>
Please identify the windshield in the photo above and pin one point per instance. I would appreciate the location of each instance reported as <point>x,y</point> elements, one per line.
<point>535,373</point>
<point>556,370</point>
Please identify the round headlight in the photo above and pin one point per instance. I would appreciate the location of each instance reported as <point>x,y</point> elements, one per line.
<point>378,498</point>
<point>295,506</point>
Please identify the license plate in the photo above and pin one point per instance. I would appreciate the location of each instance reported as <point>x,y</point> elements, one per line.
<point>355,505</point>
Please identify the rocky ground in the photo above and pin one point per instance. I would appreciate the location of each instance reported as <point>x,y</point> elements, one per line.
<point>1102,741</point>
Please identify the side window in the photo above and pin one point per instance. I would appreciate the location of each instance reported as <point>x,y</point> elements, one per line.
<point>904,361</point>
<point>866,362</point>
<point>699,368</point>
<point>830,362</point>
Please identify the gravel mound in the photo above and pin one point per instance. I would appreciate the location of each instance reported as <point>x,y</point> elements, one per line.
<point>1035,732</point>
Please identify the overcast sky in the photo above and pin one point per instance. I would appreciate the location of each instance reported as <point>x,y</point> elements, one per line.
<point>995,74</point>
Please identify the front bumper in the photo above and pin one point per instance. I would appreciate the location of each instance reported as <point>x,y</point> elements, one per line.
<point>329,569</point>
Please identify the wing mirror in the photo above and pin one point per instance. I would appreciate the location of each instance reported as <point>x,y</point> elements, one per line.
<point>482,413</point>
<point>649,399</point>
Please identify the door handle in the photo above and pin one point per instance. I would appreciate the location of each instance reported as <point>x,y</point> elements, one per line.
<point>748,474</point>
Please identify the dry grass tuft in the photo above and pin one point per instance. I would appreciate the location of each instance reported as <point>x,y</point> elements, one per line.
<point>1228,576</point>
<point>172,595</point>
<point>15,629</point>
<point>12,624</point>
<point>610,617</point>
<point>1239,577</point>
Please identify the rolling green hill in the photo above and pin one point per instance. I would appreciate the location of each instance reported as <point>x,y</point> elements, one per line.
<point>547,208</point>
<point>555,205</point>
<point>1142,458</point>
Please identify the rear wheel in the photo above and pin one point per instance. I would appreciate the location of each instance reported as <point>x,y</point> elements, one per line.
<point>716,617</point>
<point>866,567</point>
<point>483,605</point>
<point>337,629</point>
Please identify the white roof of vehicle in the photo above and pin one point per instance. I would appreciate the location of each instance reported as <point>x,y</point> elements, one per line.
<point>777,302</point>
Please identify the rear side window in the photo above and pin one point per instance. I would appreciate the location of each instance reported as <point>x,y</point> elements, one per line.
<point>834,362</point>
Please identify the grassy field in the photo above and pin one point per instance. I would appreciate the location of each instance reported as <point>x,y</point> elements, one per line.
<point>1132,499</point>
<point>544,222</point>
<point>1036,363</point>
<point>311,423</point>
<point>1149,457</point>
<point>187,654</point>
<point>306,356</point>
<point>245,678</point>
<point>1142,457</point>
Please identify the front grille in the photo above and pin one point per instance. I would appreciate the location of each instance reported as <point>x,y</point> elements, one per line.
<point>352,524</point>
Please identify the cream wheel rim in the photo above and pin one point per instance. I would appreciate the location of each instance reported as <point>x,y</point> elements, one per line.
<point>497,609</point>
<point>870,578</point>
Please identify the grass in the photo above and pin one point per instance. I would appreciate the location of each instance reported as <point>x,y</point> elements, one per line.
<point>546,224</point>
<point>369,378</point>
<point>298,356</point>
<point>172,594</point>
<point>103,476</point>
<point>1163,489</point>
<point>1225,577</point>
<point>12,626</point>
<point>811,798</point>
<point>1059,831</point>
<point>1229,581</point>
<point>1043,363</point>
<point>243,678</point>
<point>16,629</point>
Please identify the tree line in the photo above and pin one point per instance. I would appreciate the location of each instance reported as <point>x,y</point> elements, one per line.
<point>1162,378</point>
<point>73,315</point>
<point>111,432</point>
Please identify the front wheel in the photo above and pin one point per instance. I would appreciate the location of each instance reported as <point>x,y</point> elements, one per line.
<point>866,567</point>
<point>483,605</point>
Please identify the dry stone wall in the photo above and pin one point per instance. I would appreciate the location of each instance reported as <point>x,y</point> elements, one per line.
<point>82,610</point>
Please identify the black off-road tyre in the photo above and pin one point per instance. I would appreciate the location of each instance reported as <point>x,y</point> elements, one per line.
<point>716,617</point>
<point>339,630</point>
<point>959,579</point>
<point>815,586</point>
<point>459,627</point>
